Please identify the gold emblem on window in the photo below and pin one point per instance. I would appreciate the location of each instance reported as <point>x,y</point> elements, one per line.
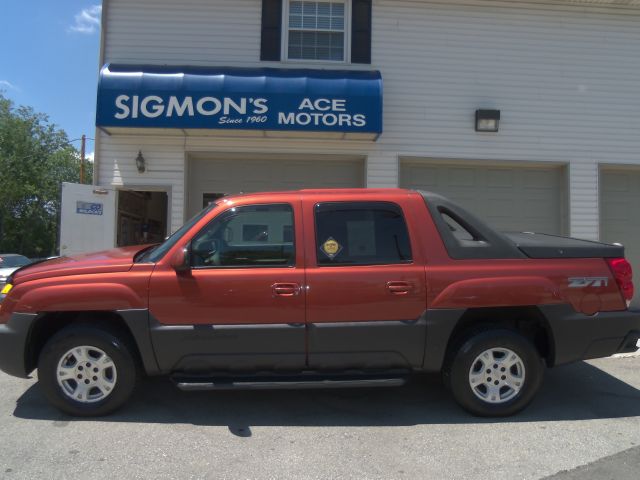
<point>331,247</point>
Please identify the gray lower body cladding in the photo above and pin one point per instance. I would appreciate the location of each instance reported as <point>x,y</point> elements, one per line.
<point>581,337</point>
<point>14,342</point>
<point>284,347</point>
<point>420,344</point>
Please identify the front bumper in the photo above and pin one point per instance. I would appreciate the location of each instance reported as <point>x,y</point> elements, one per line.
<point>14,336</point>
<point>577,336</point>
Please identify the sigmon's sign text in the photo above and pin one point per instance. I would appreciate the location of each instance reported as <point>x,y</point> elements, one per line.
<point>248,111</point>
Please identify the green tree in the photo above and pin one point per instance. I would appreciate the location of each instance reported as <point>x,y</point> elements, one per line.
<point>35,158</point>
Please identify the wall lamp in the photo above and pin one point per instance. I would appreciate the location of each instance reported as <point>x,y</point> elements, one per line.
<point>487,120</point>
<point>140,162</point>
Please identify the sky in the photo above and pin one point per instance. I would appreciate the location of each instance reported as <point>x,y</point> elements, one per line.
<point>49,55</point>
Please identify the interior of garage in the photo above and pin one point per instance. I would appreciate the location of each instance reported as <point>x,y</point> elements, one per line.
<point>141,217</point>
<point>510,196</point>
<point>213,175</point>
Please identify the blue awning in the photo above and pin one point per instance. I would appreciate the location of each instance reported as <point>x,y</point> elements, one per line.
<point>302,100</point>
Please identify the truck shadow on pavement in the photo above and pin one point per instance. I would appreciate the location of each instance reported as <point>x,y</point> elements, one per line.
<point>574,392</point>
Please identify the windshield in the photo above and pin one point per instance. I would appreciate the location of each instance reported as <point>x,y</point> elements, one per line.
<point>14,261</point>
<point>158,252</point>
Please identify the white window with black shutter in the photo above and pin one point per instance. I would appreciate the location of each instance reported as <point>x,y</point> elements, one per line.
<point>316,31</point>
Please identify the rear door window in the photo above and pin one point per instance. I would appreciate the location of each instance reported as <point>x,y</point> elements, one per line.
<point>361,233</point>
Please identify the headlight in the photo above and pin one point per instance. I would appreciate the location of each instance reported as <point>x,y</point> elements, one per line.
<point>5,290</point>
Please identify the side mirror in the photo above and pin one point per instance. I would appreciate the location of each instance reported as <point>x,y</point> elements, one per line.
<point>181,261</point>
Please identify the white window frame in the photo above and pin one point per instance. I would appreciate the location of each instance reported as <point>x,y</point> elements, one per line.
<point>284,50</point>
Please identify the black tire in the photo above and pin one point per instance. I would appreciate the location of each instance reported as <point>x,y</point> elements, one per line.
<point>113,345</point>
<point>457,373</point>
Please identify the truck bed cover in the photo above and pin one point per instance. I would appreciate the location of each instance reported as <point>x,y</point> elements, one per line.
<point>540,245</point>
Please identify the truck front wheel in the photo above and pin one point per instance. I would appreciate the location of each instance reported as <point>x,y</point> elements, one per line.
<point>87,371</point>
<point>495,373</point>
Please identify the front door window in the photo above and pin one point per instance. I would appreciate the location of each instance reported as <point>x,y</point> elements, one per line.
<point>249,236</point>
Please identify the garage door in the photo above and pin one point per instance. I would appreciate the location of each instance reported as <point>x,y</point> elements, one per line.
<point>508,198</point>
<point>620,212</point>
<point>217,176</point>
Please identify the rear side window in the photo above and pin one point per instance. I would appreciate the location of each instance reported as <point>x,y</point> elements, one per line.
<point>459,232</point>
<point>462,232</point>
<point>247,236</point>
<point>361,233</point>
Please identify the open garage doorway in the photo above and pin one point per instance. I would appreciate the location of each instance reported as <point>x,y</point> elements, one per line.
<point>141,217</point>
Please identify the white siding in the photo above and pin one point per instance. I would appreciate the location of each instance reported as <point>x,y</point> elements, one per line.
<point>565,78</point>
<point>188,32</point>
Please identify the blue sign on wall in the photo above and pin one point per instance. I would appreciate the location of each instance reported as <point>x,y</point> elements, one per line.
<point>88,208</point>
<point>240,99</point>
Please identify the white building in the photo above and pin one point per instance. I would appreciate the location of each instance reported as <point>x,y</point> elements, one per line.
<point>564,76</point>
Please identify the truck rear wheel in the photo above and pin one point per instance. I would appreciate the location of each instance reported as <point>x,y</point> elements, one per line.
<point>87,371</point>
<point>495,373</point>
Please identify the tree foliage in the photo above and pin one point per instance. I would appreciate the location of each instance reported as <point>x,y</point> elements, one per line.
<point>35,158</point>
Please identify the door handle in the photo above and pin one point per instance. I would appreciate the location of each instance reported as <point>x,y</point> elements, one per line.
<point>285,289</point>
<point>399,288</point>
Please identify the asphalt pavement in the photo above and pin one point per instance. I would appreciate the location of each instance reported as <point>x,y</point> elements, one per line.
<point>584,424</point>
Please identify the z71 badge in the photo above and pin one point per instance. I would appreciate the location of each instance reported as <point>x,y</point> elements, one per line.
<point>581,282</point>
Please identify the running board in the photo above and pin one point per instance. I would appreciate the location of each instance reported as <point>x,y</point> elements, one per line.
<point>284,383</point>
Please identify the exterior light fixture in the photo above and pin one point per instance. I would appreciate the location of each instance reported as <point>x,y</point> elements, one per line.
<point>140,162</point>
<point>487,120</point>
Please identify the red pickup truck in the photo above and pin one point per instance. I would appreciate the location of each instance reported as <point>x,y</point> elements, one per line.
<point>319,288</point>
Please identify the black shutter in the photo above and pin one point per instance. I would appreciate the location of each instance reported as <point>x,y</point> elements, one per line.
<point>361,31</point>
<point>271,30</point>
